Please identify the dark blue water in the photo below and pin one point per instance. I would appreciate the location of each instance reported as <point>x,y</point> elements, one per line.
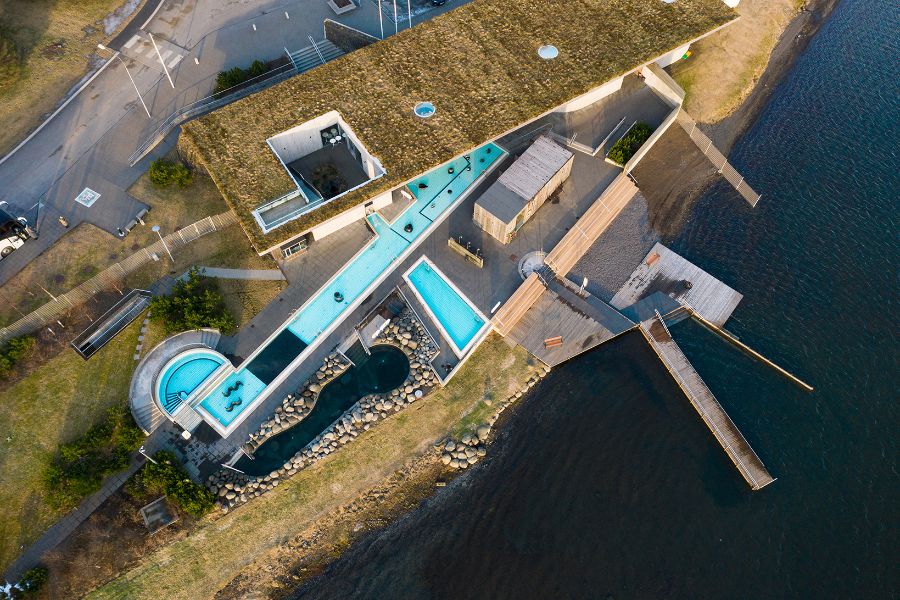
<point>605,483</point>
<point>383,370</point>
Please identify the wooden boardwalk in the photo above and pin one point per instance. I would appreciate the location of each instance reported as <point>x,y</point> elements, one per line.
<point>568,251</point>
<point>712,413</point>
<point>592,223</point>
<point>662,270</point>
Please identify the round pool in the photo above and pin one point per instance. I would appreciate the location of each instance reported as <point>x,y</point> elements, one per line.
<point>424,109</point>
<point>183,374</point>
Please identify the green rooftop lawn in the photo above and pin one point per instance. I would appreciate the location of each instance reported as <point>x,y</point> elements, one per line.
<point>478,64</point>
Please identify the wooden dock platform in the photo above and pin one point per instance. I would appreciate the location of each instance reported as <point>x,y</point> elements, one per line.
<point>556,327</point>
<point>723,428</point>
<point>663,270</point>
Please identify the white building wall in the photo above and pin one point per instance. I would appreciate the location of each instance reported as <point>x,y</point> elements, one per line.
<point>350,215</point>
<point>673,56</point>
<point>592,96</point>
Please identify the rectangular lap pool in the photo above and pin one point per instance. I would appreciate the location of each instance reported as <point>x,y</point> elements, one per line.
<point>458,319</point>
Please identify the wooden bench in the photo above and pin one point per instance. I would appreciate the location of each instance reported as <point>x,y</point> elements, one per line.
<point>553,342</point>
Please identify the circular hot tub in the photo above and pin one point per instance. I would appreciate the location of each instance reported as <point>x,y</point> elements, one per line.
<point>183,374</point>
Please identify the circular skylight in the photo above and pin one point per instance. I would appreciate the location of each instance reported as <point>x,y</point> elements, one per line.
<point>548,51</point>
<point>424,109</point>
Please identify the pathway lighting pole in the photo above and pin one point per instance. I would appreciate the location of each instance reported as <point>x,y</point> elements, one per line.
<point>147,456</point>
<point>165,69</point>
<point>166,246</point>
<point>141,98</point>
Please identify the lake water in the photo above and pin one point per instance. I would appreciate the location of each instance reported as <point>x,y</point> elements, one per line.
<point>605,483</point>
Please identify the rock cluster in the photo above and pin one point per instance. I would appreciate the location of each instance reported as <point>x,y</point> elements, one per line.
<point>470,448</point>
<point>404,332</point>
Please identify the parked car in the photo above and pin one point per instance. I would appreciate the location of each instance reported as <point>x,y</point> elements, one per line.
<point>13,231</point>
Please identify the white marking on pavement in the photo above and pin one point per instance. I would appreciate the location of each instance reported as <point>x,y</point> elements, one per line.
<point>87,197</point>
<point>131,42</point>
<point>175,61</point>
<point>165,55</point>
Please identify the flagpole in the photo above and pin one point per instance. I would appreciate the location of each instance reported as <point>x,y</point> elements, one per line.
<point>409,13</point>
<point>395,17</point>
<point>380,18</point>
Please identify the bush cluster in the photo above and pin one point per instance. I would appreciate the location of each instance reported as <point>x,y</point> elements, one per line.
<point>167,477</point>
<point>78,468</point>
<point>166,172</point>
<point>193,304</point>
<point>624,149</point>
<point>15,350</point>
<point>32,581</point>
<point>236,76</point>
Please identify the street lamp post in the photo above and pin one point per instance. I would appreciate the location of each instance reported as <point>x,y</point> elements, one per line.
<point>147,456</point>
<point>166,246</point>
<point>141,98</point>
<point>161,61</point>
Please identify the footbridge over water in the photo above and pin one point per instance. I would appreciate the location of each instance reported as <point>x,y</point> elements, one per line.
<point>723,428</point>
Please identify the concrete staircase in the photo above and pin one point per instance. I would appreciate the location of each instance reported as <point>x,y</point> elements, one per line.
<point>308,58</point>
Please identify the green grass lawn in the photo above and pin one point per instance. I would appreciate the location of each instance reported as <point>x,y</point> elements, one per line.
<point>205,561</point>
<point>54,404</point>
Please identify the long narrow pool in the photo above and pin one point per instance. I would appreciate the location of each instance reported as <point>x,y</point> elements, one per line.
<point>434,193</point>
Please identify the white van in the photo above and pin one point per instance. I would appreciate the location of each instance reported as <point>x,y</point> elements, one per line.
<point>13,231</point>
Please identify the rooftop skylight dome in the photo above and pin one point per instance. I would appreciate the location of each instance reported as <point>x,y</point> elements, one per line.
<point>548,51</point>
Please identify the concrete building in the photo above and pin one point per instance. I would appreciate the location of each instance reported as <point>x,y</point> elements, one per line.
<point>350,126</point>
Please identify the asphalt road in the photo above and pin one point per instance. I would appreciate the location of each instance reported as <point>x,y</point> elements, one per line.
<point>87,145</point>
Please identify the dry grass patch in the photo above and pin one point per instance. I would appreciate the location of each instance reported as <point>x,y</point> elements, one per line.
<point>726,65</point>
<point>479,66</point>
<point>54,404</point>
<point>46,48</point>
<point>245,298</point>
<point>203,563</point>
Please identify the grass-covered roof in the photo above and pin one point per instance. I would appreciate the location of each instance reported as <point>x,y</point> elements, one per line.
<point>478,64</point>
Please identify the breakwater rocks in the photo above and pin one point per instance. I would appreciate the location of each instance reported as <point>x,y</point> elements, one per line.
<point>470,447</point>
<point>296,406</point>
<point>404,332</point>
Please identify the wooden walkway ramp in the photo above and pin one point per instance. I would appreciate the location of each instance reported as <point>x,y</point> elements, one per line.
<point>717,158</point>
<point>712,413</point>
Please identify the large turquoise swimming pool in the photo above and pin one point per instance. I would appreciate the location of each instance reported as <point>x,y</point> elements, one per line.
<point>434,193</point>
<point>459,320</point>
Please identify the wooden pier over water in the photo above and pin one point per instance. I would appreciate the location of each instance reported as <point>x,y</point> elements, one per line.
<point>712,413</point>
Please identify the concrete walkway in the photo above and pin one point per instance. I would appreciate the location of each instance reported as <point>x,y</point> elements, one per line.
<point>260,274</point>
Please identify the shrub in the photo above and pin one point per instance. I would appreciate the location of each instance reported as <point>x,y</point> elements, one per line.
<point>32,581</point>
<point>624,149</point>
<point>166,172</point>
<point>236,76</point>
<point>192,305</point>
<point>167,476</point>
<point>15,350</point>
<point>79,467</point>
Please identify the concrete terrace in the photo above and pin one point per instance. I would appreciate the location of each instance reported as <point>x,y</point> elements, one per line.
<point>499,278</point>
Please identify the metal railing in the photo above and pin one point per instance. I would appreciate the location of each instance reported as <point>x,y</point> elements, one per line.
<point>113,276</point>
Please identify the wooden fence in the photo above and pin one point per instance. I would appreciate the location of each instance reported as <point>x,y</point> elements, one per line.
<point>113,276</point>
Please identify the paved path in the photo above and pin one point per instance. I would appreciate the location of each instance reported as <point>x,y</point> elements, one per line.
<point>260,274</point>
